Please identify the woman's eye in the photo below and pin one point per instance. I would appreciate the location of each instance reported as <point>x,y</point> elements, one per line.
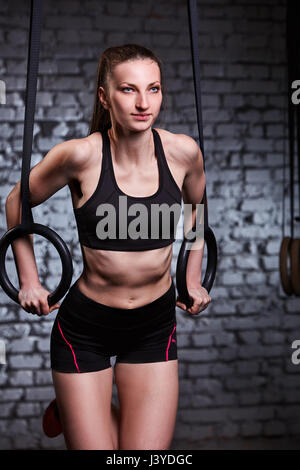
<point>129,88</point>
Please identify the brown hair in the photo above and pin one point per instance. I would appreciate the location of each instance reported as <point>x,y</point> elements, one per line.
<point>108,60</point>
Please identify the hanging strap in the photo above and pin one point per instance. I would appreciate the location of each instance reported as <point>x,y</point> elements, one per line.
<point>193,24</point>
<point>27,225</point>
<point>209,238</point>
<point>30,100</point>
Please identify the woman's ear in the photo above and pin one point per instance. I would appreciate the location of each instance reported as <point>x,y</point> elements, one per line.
<point>102,97</point>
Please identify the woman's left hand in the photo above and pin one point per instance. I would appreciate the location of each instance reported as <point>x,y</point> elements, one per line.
<point>200,297</point>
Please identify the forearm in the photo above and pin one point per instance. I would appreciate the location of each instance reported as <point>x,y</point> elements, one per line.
<point>196,248</point>
<point>194,265</point>
<point>22,247</point>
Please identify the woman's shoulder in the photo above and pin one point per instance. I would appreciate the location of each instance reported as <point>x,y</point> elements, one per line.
<point>80,151</point>
<point>181,147</point>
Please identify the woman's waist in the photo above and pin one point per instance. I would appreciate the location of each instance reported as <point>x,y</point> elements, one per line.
<point>81,313</point>
<point>125,271</point>
<point>123,293</point>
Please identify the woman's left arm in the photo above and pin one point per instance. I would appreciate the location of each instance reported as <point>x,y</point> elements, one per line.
<point>192,192</point>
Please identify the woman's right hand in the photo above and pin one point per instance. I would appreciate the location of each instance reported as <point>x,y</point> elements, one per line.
<point>33,299</point>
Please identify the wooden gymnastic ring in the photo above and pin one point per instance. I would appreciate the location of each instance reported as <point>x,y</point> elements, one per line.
<point>285,253</point>
<point>295,265</point>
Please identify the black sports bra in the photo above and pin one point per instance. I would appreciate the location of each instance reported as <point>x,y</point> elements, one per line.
<point>112,220</point>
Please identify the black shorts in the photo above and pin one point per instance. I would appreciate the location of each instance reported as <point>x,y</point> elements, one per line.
<point>86,333</point>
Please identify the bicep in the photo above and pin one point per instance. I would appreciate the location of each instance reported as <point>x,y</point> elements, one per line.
<point>193,188</point>
<point>194,181</point>
<point>49,175</point>
<point>52,173</point>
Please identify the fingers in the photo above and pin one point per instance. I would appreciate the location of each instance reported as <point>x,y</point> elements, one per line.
<point>45,309</point>
<point>53,307</point>
<point>181,305</point>
<point>33,307</point>
<point>198,305</point>
<point>38,307</point>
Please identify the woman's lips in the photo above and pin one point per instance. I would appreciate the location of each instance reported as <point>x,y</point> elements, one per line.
<point>141,117</point>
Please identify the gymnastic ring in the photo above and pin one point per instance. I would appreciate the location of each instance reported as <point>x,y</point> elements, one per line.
<point>67,266</point>
<point>295,265</point>
<point>285,253</point>
<point>182,260</point>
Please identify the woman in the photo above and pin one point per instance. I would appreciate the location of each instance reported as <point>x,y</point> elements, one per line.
<point>123,304</point>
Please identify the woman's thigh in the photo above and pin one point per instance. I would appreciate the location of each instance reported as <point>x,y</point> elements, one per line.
<point>84,403</point>
<point>148,397</point>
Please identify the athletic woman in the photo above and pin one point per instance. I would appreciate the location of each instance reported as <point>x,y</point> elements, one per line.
<point>123,303</point>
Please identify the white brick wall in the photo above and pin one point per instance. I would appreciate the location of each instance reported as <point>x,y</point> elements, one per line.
<point>236,377</point>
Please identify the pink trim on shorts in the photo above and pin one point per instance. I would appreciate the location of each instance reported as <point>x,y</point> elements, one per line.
<point>75,362</point>
<point>167,351</point>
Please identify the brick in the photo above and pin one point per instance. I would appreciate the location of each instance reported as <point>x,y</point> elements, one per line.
<point>288,412</point>
<point>39,393</point>
<point>22,345</point>
<point>201,355</point>
<point>247,367</point>
<point>198,370</point>
<point>28,409</point>
<point>273,337</point>
<point>16,427</point>
<point>209,386</point>
<point>11,394</point>
<point>6,410</point>
<point>22,377</point>
<point>43,345</point>
<point>63,99</point>
<point>201,432</point>
<point>201,340</point>
<point>249,337</point>
<point>6,443</point>
<point>182,430</point>
<point>73,22</point>
<point>274,428</point>
<point>199,401</point>
<point>228,430</point>
<point>249,398</point>
<point>252,413</point>
<point>251,429</point>
<point>43,377</point>
<point>183,340</point>
<point>220,370</point>
<point>225,399</point>
<point>22,361</point>
<point>26,442</point>
<point>224,339</point>
<point>272,396</point>
<point>293,305</point>
<point>204,415</point>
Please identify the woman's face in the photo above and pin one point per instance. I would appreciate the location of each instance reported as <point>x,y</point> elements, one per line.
<point>134,89</point>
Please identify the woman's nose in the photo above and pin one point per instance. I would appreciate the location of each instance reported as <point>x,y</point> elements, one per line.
<point>142,101</point>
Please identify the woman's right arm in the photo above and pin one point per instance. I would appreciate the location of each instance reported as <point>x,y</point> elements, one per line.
<point>60,165</point>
